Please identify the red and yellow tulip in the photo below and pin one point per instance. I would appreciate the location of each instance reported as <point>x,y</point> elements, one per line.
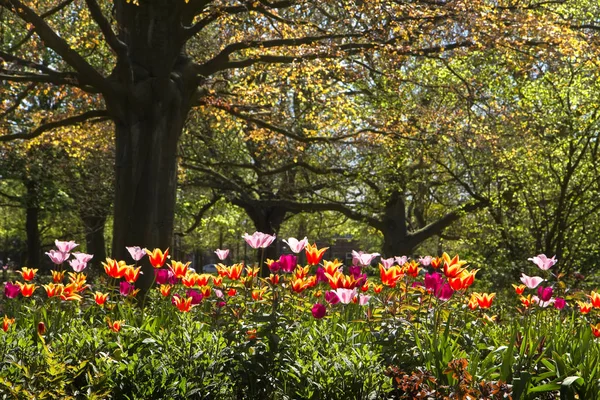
<point>313,254</point>
<point>27,273</point>
<point>157,257</point>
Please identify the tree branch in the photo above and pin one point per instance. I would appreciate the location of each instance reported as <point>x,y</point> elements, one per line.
<point>99,115</point>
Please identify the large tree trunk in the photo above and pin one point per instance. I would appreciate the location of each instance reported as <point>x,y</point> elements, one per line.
<point>396,241</point>
<point>149,122</point>
<point>34,249</point>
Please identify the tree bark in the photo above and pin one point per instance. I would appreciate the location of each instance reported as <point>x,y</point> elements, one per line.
<point>94,239</point>
<point>34,249</point>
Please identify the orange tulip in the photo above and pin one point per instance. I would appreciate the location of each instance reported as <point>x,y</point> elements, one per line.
<point>301,272</point>
<point>114,326</point>
<point>132,274</point>
<point>473,304</point>
<point>390,276</point>
<point>298,285</point>
<point>274,279</point>
<point>57,276</point>
<point>165,290</point>
<point>314,255</point>
<point>100,298</point>
<point>7,323</point>
<point>252,272</point>
<point>53,289</point>
<point>365,287</point>
<point>377,288</point>
<point>519,289</point>
<point>190,280</point>
<point>596,329</point>
<point>257,294</point>
<point>217,280</point>
<point>526,301</point>
<point>114,269</point>
<point>27,289</point>
<point>436,262</point>
<point>157,257</point>
<point>179,269</point>
<point>452,267</point>
<point>231,292</point>
<point>202,280</point>
<point>27,273</point>
<point>584,307</point>
<point>332,266</point>
<point>184,305</point>
<point>234,272</point>
<point>411,269</point>
<point>595,299</point>
<point>484,299</point>
<point>206,291</point>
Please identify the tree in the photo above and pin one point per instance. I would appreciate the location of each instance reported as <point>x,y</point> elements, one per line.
<point>154,63</point>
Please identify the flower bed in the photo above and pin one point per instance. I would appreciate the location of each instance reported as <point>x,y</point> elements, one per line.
<point>319,331</point>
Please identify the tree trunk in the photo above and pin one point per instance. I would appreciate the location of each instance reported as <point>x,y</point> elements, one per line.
<point>396,241</point>
<point>267,220</point>
<point>94,239</point>
<point>34,250</point>
<point>160,82</point>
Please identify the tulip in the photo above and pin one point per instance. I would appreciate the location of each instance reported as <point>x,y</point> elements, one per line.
<point>114,269</point>
<point>452,267</point>
<point>179,269</point>
<point>41,328</point>
<point>83,257</point>
<point>53,289</point>
<point>519,289</point>
<point>596,329</point>
<point>363,299</point>
<point>390,276</point>
<point>163,276</point>
<point>445,292</point>
<point>126,288</point>
<point>320,274</point>
<point>531,281</point>
<point>545,294</point>
<point>184,305</point>
<point>559,303</point>
<point>11,290</point>
<point>7,323</point>
<point>296,245</point>
<point>65,247</point>
<point>195,296</point>
<point>257,294</point>
<point>543,262</point>
<point>77,265</point>
<point>345,295</point>
<point>27,289</point>
<point>231,292</point>
<point>57,257</point>
<point>274,279</point>
<point>157,257</point>
<point>484,300</point>
<point>57,276</point>
<point>190,280</point>
<point>425,261</point>
<point>314,255</point>
<point>27,273</point>
<point>526,301</point>
<point>100,298</point>
<point>319,311</point>
<point>234,272</point>
<point>331,266</point>
<point>595,299</point>
<point>411,269</point>
<point>222,254</point>
<point>332,298</point>
<point>377,288</point>
<point>165,290</point>
<point>114,326</point>
<point>436,262</point>
<point>542,303</point>
<point>401,260</point>
<point>259,240</point>
<point>287,262</point>
<point>584,308</point>
<point>217,280</point>
<point>363,259</point>
<point>433,282</point>
<point>136,252</point>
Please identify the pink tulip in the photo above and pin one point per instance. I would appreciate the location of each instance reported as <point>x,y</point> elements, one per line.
<point>425,261</point>
<point>445,292</point>
<point>345,295</point>
<point>531,281</point>
<point>559,303</point>
<point>362,258</point>
<point>259,240</point>
<point>331,297</point>
<point>387,262</point>
<point>84,258</point>
<point>296,245</point>
<point>77,265</point>
<point>136,252</point>
<point>222,254</point>
<point>401,260</point>
<point>363,299</point>
<point>57,257</point>
<point>65,247</point>
<point>11,290</point>
<point>543,262</point>
<point>542,303</point>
